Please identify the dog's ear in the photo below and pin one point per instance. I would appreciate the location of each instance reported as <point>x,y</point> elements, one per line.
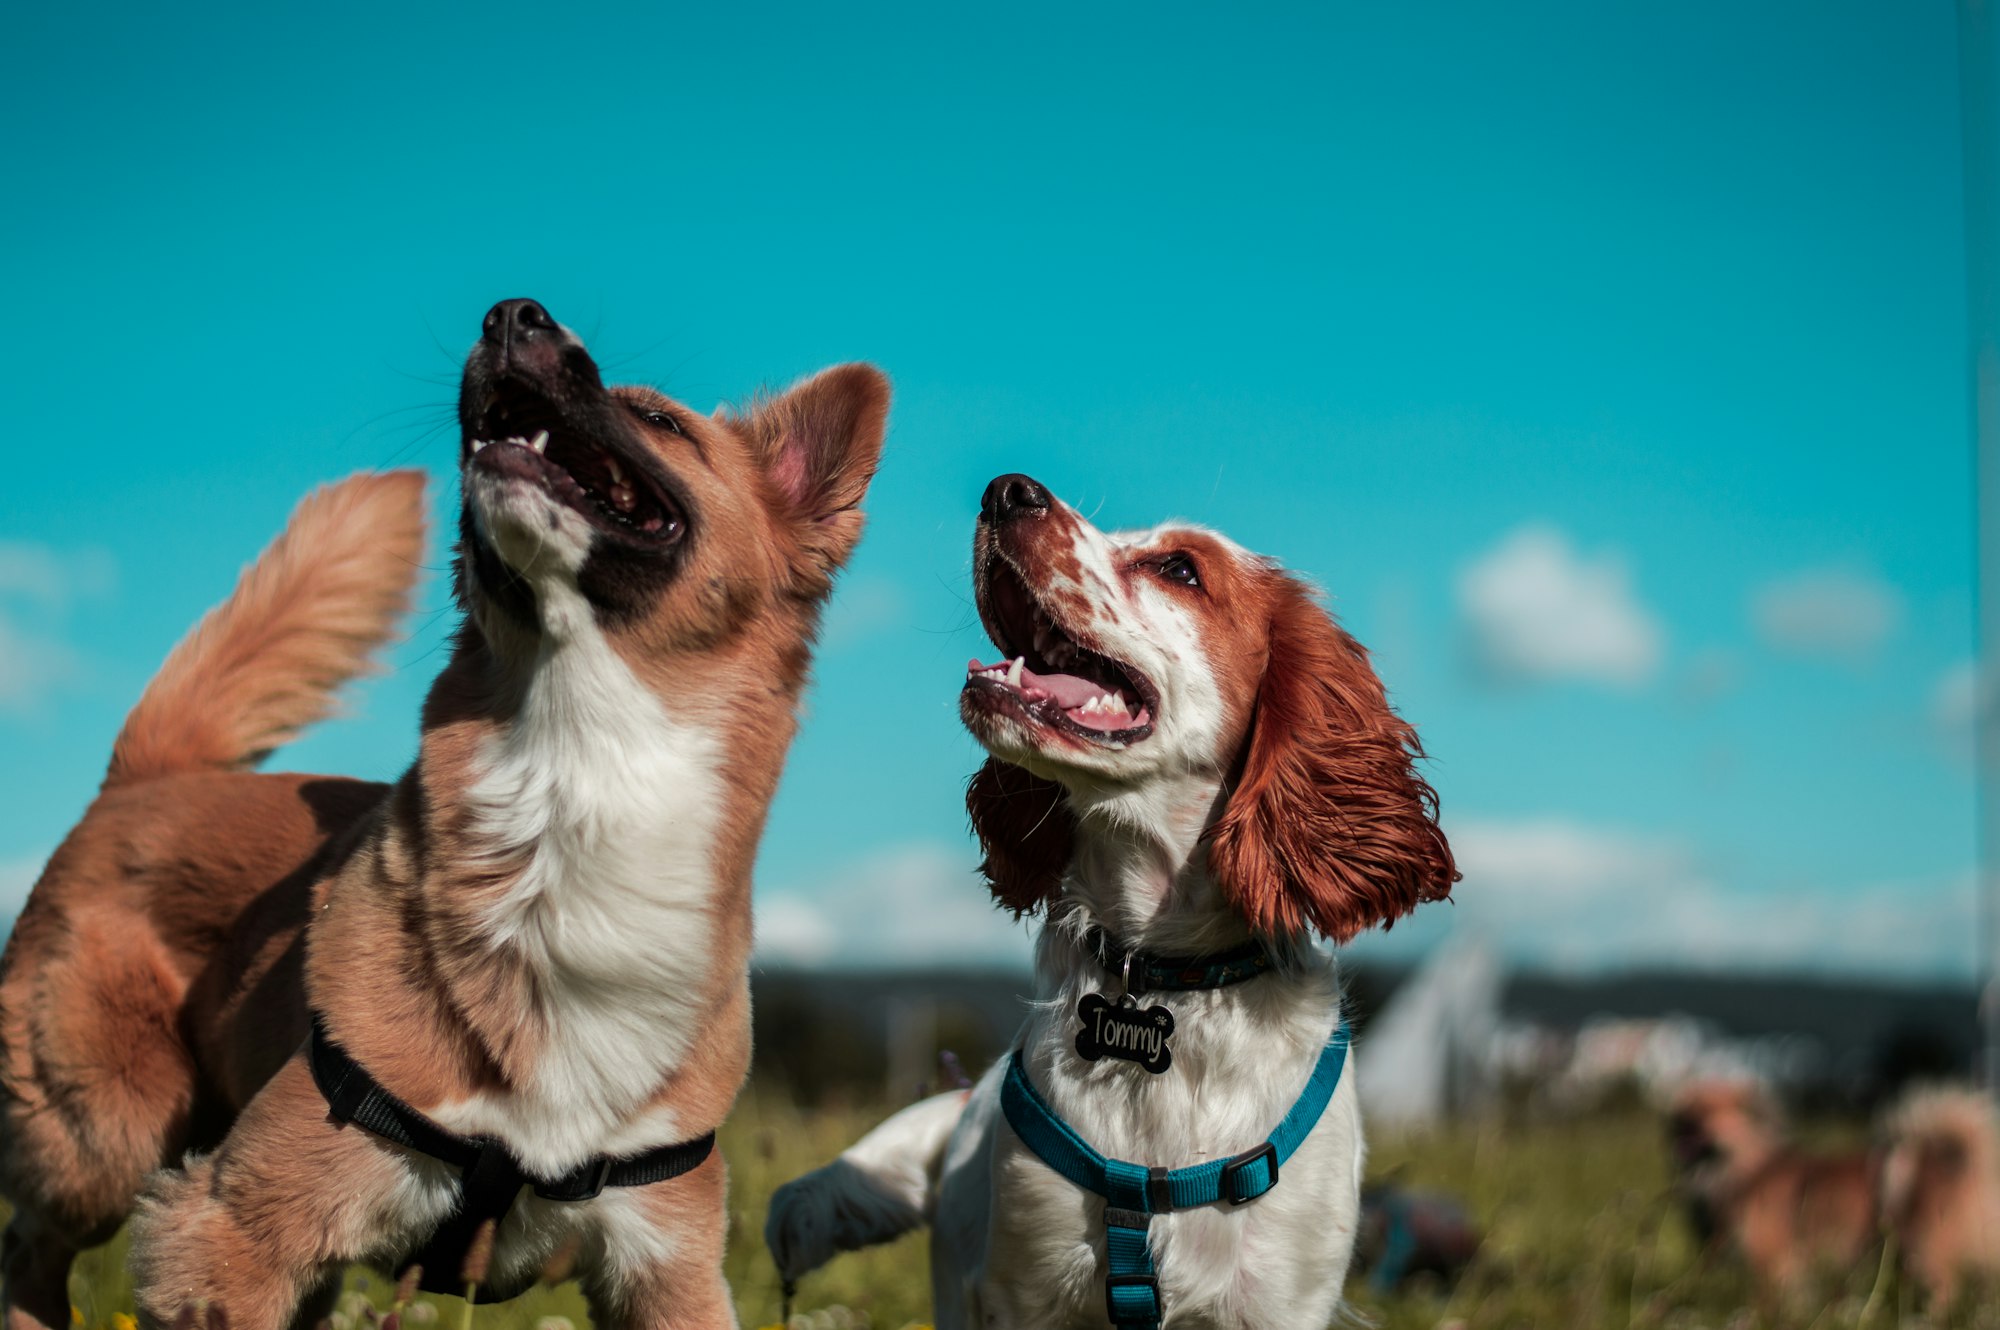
<point>1025,831</point>
<point>819,442</point>
<point>1329,826</point>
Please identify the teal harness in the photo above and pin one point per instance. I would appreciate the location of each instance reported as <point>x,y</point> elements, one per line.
<point>1134,1193</point>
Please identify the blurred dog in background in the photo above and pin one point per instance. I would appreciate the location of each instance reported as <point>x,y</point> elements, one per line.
<point>1930,1183</point>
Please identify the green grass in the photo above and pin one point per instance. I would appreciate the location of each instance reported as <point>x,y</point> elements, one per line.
<point>1579,1234</point>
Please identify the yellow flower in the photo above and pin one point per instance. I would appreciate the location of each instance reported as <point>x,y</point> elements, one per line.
<point>75,1315</point>
<point>121,1321</point>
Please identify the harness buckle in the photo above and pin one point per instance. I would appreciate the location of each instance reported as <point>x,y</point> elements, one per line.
<point>1239,1185</point>
<point>583,1185</point>
<point>1130,1298</point>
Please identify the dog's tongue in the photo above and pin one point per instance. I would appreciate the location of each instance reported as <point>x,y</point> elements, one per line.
<point>1065,690</point>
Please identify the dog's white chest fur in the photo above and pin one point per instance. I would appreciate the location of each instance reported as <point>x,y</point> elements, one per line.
<point>1242,1058</point>
<point>612,805</point>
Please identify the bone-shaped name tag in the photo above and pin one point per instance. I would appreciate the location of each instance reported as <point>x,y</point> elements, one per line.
<point>1124,1030</point>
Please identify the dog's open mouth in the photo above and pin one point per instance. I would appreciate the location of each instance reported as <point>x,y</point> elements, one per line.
<point>521,435</point>
<point>1050,677</point>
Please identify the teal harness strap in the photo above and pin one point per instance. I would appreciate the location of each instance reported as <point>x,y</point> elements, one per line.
<point>1133,1193</point>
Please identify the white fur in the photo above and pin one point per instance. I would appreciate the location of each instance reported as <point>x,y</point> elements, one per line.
<point>1144,624</point>
<point>612,804</point>
<point>612,1234</point>
<point>1014,1245</point>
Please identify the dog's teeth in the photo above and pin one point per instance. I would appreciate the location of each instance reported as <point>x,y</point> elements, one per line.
<point>622,498</point>
<point>540,442</point>
<point>617,471</point>
<point>1014,671</point>
<point>478,444</point>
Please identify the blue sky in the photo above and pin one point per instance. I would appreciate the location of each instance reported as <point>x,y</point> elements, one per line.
<point>1605,366</point>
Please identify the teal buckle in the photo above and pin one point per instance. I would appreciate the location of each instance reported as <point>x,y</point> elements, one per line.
<point>1129,1298</point>
<point>1240,1184</point>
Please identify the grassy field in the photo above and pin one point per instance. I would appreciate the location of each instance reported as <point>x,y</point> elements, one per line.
<point>1580,1234</point>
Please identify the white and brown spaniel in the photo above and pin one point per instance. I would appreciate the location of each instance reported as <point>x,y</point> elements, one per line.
<point>1191,764</point>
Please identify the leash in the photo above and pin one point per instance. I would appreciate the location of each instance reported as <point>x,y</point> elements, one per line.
<point>491,1176</point>
<point>1134,1193</point>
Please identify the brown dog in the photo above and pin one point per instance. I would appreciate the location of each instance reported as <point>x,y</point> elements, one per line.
<point>1941,1190</point>
<point>536,939</point>
<point>1933,1185</point>
<point>1789,1212</point>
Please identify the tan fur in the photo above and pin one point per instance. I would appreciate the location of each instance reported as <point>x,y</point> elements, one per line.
<point>1793,1215</point>
<point>1933,1186</point>
<point>264,664</point>
<point>125,999</point>
<point>154,995</point>
<point>1941,1189</point>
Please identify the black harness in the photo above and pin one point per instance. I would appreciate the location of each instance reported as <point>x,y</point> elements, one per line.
<point>492,1176</point>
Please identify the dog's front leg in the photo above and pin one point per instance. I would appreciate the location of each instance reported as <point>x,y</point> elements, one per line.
<point>285,1201</point>
<point>662,1266</point>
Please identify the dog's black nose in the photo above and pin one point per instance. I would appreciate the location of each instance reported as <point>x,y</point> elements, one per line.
<point>1009,497</point>
<point>516,320</point>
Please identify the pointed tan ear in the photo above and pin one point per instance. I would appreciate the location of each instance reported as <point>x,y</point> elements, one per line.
<point>819,442</point>
<point>1026,832</point>
<point>1329,826</point>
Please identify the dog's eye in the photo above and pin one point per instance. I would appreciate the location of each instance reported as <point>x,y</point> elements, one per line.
<point>1179,568</point>
<point>661,420</point>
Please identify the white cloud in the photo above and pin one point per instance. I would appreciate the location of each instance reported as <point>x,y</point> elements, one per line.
<point>37,585</point>
<point>1535,607</point>
<point>1826,612</point>
<point>38,572</point>
<point>1549,863</point>
<point>913,905</point>
<point>31,666</point>
<point>1568,895</point>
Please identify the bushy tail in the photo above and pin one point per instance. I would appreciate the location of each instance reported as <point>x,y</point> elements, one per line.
<point>879,1189</point>
<point>303,620</point>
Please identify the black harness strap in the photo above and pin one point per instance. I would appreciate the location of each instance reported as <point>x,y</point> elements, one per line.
<point>492,1176</point>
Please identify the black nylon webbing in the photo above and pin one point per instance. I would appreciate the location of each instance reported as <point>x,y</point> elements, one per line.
<point>493,1177</point>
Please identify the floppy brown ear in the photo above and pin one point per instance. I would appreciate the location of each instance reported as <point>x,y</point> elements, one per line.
<point>1026,832</point>
<point>1329,826</point>
<point>820,441</point>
